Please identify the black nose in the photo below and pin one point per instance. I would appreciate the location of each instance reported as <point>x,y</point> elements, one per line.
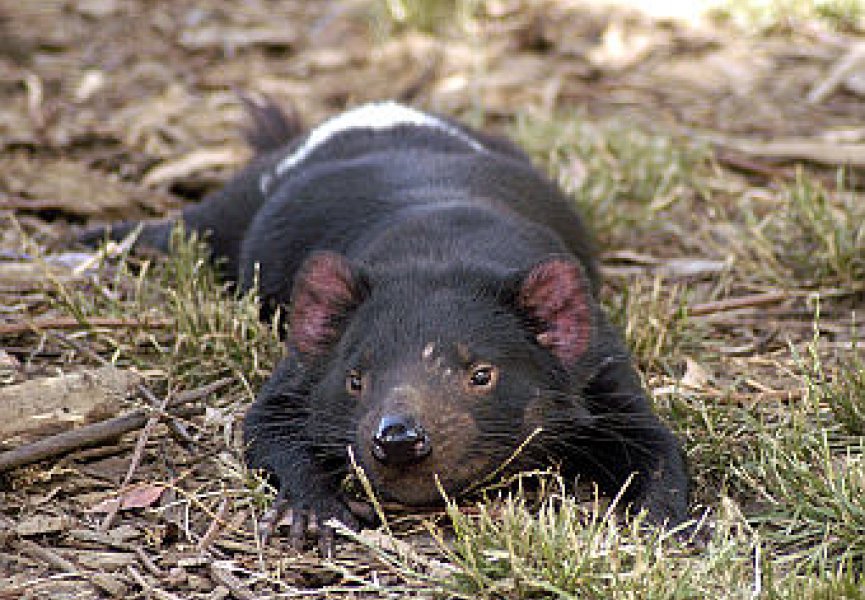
<point>400,440</point>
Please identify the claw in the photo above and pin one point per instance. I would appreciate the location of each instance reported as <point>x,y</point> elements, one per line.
<point>305,523</point>
<point>326,542</point>
<point>271,519</point>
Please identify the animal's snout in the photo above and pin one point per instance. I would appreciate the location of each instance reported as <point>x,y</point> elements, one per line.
<point>400,440</point>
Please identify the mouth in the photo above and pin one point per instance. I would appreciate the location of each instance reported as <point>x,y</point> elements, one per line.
<point>423,484</point>
<point>402,454</point>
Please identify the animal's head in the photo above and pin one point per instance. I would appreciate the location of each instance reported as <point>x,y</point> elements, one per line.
<point>440,373</point>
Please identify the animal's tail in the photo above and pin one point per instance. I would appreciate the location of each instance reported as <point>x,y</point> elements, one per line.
<point>271,127</point>
<point>225,213</point>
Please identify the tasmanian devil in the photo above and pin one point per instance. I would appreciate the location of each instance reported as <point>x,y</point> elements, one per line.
<point>442,310</point>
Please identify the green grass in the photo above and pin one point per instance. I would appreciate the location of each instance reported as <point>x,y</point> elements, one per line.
<point>763,15</point>
<point>653,316</point>
<point>430,16</point>
<point>563,548</point>
<point>812,236</point>
<point>214,333</point>
<point>621,176</point>
<point>846,394</point>
<point>808,470</point>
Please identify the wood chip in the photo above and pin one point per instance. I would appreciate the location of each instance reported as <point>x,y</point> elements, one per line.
<point>41,525</point>
<point>811,149</point>
<point>232,38</point>
<point>195,161</point>
<point>52,404</point>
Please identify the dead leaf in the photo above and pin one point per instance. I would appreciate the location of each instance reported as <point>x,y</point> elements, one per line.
<point>142,496</point>
<point>696,376</point>
<point>232,38</point>
<point>71,187</point>
<point>10,367</point>
<point>621,48</point>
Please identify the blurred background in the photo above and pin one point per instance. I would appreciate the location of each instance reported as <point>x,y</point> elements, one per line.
<point>132,104</point>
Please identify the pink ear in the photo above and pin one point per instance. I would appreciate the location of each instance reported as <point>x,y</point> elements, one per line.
<point>555,292</point>
<point>324,290</point>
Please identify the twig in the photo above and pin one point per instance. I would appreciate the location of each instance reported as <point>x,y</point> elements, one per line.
<point>106,539</point>
<point>216,525</point>
<point>225,577</point>
<point>110,585</point>
<point>846,65</point>
<point>796,148</point>
<point>745,164</point>
<point>73,323</point>
<point>709,308</point>
<point>150,589</point>
<point>16,592</point>
<point>96,433</point>
<point>137,454</point>
<point>147,562</point>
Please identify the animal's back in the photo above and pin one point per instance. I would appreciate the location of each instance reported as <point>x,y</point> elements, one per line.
<point>379,167</point>
<point>364,171</point>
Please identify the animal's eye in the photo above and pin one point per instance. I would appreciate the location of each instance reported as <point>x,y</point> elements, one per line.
<point>483,377</point>
<point>354,382</point>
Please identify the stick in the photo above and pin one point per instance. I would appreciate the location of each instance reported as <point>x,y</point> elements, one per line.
<point>846,65</point>
<point>736,303</point>
<point>216,526</point>
<point>72,323</point>
<point>176,427</point>
<point>751,166</point>
<point>110,585</point>
<point>225,577</point>
<point>96,433</point>
<point>137,454</point>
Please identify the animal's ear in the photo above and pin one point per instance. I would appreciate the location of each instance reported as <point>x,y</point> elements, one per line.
<point>556,295</point>
<point>325,290</point>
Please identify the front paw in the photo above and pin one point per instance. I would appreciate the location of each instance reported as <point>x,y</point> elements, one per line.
<point>307,521</point>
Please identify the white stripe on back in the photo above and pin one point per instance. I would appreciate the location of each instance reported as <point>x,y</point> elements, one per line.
<point>379,115</point>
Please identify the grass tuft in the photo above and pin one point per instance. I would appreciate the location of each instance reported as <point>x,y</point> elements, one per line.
<point>214,332</point>
<point>766,15</point>
<point>808,473</point>
<point>653,316</point>
<point>846,394</point>
<point>429,16</point>
<point>621,176</point>
<point>217,332</point>
<point>559,547</point>
<point>811,236</point>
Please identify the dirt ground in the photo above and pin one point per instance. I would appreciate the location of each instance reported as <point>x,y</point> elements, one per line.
<point>130,108</point>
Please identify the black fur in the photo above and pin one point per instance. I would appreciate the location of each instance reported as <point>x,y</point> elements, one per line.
<point>427,240</point>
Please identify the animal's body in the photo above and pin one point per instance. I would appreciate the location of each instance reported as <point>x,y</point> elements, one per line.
<point>442,306</point>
